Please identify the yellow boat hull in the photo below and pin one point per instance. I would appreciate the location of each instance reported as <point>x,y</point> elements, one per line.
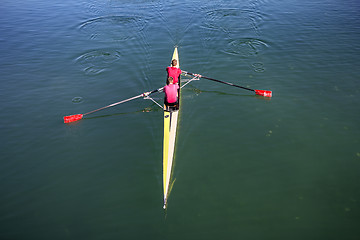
<point>170,126</point>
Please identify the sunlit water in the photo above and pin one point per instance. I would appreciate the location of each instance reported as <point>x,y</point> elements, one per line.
<point>246,167</point>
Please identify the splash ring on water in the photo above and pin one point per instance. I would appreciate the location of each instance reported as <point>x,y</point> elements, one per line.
<point>233,19</point>
<point>258,67</point>
<point>113,28</point>
<point>77,100</point>
<point>245,47</point>
<point>97,61</point>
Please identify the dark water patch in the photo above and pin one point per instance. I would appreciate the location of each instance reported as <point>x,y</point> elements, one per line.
<point>97,61</point>
<point>113,28</point>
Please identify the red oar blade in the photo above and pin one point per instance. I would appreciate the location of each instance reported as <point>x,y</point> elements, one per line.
<point>264,93</point>
<point>72,118</point>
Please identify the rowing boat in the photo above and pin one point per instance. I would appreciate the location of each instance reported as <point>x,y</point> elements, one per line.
<point>170,126</point>
<point>170,121</point>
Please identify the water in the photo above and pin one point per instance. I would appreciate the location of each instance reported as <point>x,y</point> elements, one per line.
<point>246,167</point>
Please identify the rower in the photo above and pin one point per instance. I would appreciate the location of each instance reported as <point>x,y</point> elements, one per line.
<point>171,99</point>
<point>173,71</point>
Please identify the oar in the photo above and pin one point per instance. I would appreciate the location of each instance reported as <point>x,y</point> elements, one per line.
<point>265,93</point>
<point>76,117</point>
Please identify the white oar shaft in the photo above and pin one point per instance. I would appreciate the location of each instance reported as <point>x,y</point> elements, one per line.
<point>126,100</point>
<point>114,104</point>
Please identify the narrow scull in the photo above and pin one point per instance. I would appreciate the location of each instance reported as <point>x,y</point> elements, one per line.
<point>170,126</point>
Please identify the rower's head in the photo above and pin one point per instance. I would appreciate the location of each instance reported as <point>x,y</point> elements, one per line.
<point>170,80</point>
<point>174,62</point>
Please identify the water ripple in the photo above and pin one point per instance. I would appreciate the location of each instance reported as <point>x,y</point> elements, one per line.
<point>113,28</point>
<point>77,100</point>
<point>232,19</point>
<point>258,67</point>
<point>245,46</point>
<point>97,61</point>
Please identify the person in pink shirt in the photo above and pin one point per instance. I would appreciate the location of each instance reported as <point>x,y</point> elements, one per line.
<point>173,71</point>
<point>171,93</point>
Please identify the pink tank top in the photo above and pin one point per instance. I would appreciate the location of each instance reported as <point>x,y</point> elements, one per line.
<point>174,72</point>
<point>171,92</point>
